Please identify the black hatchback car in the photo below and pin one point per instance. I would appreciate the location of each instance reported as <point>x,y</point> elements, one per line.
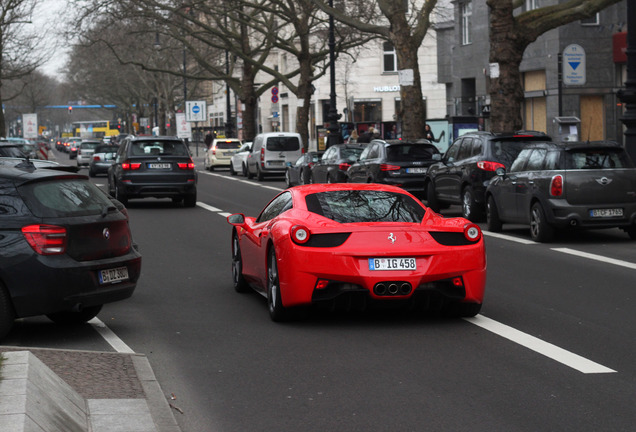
<point>65,246</point>
<point>565,185</point>
<point>159,167</point>
<point>335,162</point>
<point>395,162</point>
<point>463,174</point>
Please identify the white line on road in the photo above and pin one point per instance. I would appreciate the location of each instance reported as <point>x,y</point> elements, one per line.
<point>241,180</point>
<point>596,257</point>
<point>110,336</point>
<point>551,351</point>
<point>510,238</point>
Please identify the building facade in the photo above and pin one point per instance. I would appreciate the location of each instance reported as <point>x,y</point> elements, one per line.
<point>571,74</point>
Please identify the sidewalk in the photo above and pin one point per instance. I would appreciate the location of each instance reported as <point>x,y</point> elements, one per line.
<point>93,391</point>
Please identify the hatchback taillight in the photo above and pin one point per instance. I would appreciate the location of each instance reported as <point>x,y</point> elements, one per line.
<point>213,150</point>
<point>344,166</point>
<point>489,166</point>
<point>388,167</point>
<point>128,166</point>
<point>556,186</point>
<point>46,239</point>
<point>96,158</point>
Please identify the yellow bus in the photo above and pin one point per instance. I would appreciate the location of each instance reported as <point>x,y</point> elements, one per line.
<point>94,129</point>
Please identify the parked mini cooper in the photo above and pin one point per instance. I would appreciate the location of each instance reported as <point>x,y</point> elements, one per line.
<point>554,186</point>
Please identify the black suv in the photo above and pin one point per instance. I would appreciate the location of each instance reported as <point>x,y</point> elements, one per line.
<point>399,163</point>
<point>565,185</point>
<point>65,246</point>
<point>159,167</point>
<point>461,177</point>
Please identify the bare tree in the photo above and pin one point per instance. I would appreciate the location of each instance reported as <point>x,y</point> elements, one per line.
<point>404,24</point>
<point>510,35</point>
<point>18,47</point>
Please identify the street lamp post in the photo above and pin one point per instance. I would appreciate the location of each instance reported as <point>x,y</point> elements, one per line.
<point>628,94</point>
<point>334,136</point>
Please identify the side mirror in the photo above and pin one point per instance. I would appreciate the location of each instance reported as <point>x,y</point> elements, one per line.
<point>501,171</point>
<point>236,219</point>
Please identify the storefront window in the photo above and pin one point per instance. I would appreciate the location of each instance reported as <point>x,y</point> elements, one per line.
<point>367,111</point>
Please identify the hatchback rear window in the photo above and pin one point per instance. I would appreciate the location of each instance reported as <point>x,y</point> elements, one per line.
<point>89,146</point>
<point>410,152</point>
<point>106,149</point>
<point>228,144</point>
<point>64,198</point>
<point>163,148</point>
<point>283,144</point>
<point>597,159</point>
<point>350,206</point>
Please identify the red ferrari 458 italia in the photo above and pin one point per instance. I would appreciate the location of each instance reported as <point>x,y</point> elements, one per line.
<point>355,245</point>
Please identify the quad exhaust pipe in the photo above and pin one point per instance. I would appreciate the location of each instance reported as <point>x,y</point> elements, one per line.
<point>387,289</point>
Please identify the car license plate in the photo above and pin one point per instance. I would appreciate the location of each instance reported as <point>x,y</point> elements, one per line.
<point>276,163</point>
<point>615,212</point>
<point>159,165</point>
<point>392,264</point>
<point>228,153</point>
<point>113,275</point>
<point>416,170</point>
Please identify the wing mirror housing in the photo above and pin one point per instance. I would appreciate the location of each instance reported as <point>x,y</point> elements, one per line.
<point>237,219</point>
<point>501,171</point>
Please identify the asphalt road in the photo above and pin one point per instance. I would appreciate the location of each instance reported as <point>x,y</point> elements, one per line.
<point>553,347</point>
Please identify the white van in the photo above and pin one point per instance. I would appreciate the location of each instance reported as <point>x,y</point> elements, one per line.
<point>270,153</point>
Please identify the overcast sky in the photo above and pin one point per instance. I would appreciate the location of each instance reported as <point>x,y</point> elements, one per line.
<point>50,19</point>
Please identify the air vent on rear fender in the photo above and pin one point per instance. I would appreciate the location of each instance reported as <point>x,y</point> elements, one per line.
<point>450,238</point>
<point>327,240</point>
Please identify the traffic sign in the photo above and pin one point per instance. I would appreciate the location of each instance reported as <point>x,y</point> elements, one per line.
<point>195,111</point>
<point>274,99</point>
<point>274,91</point>
<point>574,65</point>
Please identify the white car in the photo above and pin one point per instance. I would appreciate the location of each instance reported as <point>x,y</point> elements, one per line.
<point>85,152</point>
<point>220,153</point>
<point>238,163</point>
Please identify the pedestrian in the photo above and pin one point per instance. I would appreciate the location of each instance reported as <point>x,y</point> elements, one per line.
<point>428,133</point>
<point>208,140</point>
<point>365,137</point>
<point>353,138</point>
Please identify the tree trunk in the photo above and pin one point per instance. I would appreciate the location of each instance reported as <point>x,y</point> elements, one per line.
<point>412,106</point>
<point>304,94</point>
<point>249,100</point>
<point>506,50</point>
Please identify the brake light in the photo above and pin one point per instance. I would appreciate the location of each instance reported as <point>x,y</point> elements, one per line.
<point>186,165</point>
<point>96,158</point>
<point>489,166</point>
<point>300,234</point>
<point>388,167</point>
<point>472,232</point>
<point>344,166</point>
<point>556,185</point>
<point>128,166</point>
<point>213,150</point>
<point>46,239</point>
<point>263,157</point>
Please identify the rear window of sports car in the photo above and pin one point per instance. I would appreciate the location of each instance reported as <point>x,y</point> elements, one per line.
<point>350,206</point>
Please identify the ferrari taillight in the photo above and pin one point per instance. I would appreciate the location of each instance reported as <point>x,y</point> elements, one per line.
<point>472,232</point>
<point>46,239</point>
<point>556,186</point>
<point>458,282</point>
<point>300,234</point>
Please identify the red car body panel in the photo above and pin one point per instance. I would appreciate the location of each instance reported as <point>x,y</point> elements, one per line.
<point>300,266</point>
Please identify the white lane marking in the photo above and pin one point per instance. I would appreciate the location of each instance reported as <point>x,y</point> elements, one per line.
<point>110,336</point>
<point>596,257</point>
<point>208,207</point>
<point>509,238</point>
<point>241,180</point>
<point>560,355</point>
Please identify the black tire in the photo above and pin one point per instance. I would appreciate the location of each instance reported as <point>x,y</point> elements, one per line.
<point>303,178</point>
<point>540,230</point>
<point>240,285</point>
<point>493,223</point>
<point>329,179</point>
<point>259,174</point>
<point>190,200</point>
<point>122,198</point>
<point>7,314</point>
<point>631,232</point>
<point>431,199</point>
<point>249,174</point>
<point>288,181</point>
<point>277,311</point>
<point>470,209</point>
<point>91,173</point>
<point>463,310</point>
<point>232,172</point>
<point>73,317</point>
